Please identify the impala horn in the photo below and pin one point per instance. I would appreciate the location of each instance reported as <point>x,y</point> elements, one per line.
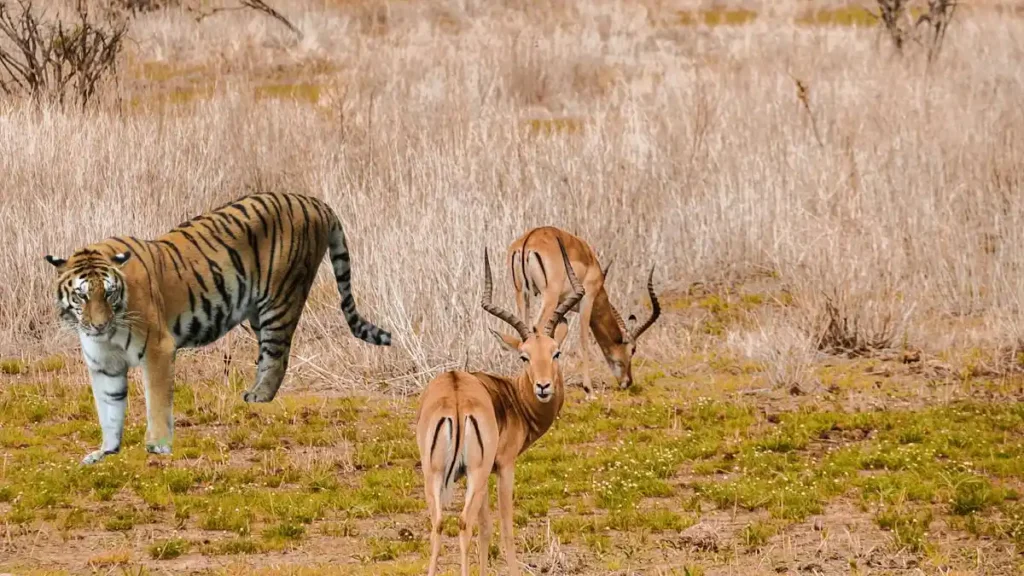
<point>569,302</point>
<point>498,311</point>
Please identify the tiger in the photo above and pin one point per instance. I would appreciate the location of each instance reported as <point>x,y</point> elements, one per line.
<point>137,302</point>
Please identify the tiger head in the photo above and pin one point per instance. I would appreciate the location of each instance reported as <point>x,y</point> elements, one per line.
<point>91,291</point>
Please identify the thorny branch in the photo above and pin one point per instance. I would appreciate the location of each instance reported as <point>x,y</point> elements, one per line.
<point>257,5</point>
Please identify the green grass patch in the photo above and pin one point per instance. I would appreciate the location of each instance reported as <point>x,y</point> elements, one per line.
<point>168,549</point>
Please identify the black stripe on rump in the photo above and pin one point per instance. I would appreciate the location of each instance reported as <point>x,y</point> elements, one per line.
<point>437,431</point>
<point>476,428</point>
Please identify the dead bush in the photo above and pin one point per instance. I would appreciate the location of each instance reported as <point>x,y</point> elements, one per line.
<point>135,7</point>
<point>56,61</point>
<point>894,16</point>
<point>844,330</point>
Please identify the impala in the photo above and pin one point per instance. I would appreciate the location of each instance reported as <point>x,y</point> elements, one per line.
<point>530,259</point>
<point>472,424</point>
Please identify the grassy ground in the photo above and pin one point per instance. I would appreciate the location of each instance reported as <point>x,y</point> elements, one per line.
<point>882,464</point>
<point>879,211</point>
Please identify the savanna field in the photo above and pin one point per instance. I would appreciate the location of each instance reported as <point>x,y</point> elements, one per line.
<point>834,384</point>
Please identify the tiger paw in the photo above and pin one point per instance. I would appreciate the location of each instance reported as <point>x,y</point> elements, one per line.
<point>158,448</point>
<point>96,456</point>
<point>257,396</point>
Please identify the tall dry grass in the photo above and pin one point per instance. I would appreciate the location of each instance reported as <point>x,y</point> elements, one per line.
<point>428,128</point>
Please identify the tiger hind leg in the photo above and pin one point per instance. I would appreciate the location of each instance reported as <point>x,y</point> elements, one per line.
<point>275,338</point>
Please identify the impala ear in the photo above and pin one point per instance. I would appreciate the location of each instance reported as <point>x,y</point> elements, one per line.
<point>561,330</point>
<point>510,343</point>
<point>57,263</point>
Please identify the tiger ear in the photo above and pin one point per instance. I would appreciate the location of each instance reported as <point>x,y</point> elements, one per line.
<point>121,258</point>
<point>57,263</point>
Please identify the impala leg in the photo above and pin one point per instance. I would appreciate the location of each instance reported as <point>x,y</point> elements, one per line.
<point>433,465</point>
<point>586,308</point>
<point>486,532</point>
<point>547,310</point>
<point>433,493</point>
<point>476,495</point>
<point>506,480</point>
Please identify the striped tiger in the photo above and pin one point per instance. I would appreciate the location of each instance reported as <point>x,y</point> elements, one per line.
<point>136,302</point>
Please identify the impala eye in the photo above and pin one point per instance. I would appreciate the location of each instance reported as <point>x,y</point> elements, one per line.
<point>558,354</point>
<point>524,358</point>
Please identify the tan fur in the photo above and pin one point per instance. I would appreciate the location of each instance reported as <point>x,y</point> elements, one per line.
<point>540,276</point>
<point>478,423</point>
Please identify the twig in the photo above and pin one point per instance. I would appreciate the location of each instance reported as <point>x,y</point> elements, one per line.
<point>257,5</point>
<point>803,94</point>
<point>261,6</point>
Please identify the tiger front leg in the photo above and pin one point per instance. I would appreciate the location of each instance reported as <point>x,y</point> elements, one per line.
<point>158,380</point>
<point>110,393</point>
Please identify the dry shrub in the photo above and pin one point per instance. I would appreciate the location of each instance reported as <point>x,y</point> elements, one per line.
<point>57,60</point>
<point>852,330</point>
<point>784,349</point>
<point>929,30</point>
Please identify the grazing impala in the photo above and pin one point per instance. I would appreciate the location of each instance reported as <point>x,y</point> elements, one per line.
<point>533,275</point>
<point>470,424</point>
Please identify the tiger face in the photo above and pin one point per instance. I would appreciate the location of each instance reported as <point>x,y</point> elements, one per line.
<point>91,292</point>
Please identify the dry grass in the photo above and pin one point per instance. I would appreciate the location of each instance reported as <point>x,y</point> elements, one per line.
<point>886,188</point>
<point>677,145</point>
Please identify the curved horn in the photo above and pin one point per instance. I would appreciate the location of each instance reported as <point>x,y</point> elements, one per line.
<point>505,315</point>
<point>626,334</point>
<point>655,307</point>
<point>569,302</point>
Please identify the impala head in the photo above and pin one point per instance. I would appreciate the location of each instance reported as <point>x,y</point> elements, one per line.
<point>91,293</point>
<point>539,351</point>
<point>618,353</point>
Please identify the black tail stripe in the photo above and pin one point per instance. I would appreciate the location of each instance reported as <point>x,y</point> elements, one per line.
<point>455,453</point>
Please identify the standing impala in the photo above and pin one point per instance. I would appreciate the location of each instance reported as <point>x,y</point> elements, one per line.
<point>533,275</point>
<point>470,424</point>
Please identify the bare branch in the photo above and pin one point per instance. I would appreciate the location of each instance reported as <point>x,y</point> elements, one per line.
<point>261,6</point>
<point>55,60</point>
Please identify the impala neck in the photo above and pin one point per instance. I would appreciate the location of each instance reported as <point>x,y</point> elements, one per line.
<point>603,324</point>
<point>514,400</point>
<point>537,416</point>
